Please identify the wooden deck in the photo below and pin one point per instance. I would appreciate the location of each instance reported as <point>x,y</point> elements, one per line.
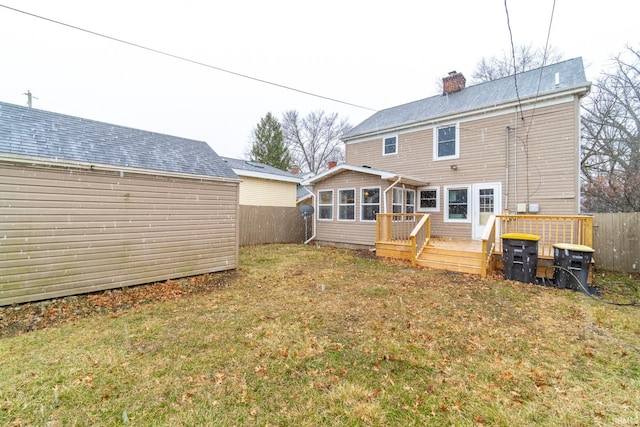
<point>479,257</point>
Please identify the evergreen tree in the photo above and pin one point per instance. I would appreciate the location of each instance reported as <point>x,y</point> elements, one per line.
<point>268,144</point>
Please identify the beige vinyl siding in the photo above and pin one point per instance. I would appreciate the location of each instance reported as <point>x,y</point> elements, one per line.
<point>351,232</point>
<point>70,231</point>
<point>545,169</point>
<point>267,192</point>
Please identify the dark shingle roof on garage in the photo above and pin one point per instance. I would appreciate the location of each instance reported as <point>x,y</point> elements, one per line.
<point>42,134</point>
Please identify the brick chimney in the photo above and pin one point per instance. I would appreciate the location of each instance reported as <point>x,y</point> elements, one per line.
<point>332,164</point>
<point>295,169</point>
<point>454,82</point>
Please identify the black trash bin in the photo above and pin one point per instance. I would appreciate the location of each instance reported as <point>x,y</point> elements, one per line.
<point>520,256</point>
<point>571,266</point>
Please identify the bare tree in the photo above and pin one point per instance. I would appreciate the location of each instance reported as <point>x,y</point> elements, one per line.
<point>314,140</point>
<point>610,163</point>
<point>526,58</point>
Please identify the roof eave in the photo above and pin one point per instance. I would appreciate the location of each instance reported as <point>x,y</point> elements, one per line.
<point>581,89</point>
<point>388,176</point>
<point>43,161</point>
<point>265,175</point>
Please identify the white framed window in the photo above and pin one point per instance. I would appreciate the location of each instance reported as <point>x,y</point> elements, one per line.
<point>446,143</point>
<point>347,204</point>
<point>369,203</point>
<point>398,200</point>
<point>429,199</point>
<point>457,204</point>
<point>410,201</point>
<point>325,205</point>
<point>397,203</point>
<point>390,145</point>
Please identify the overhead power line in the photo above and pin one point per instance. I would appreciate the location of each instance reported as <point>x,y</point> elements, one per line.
<point>513,55</point>
<point>182,58</point>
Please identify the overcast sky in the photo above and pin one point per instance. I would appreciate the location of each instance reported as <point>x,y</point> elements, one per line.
<point>370,53</point>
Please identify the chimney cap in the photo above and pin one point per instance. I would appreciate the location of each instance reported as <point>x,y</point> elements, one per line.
<point>453,73</point>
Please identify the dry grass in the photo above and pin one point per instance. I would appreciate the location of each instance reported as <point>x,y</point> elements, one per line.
<point>311,336</point>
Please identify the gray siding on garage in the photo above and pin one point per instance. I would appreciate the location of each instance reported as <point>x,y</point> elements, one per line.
<point>66,231</point>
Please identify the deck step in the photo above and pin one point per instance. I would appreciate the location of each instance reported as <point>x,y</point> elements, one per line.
<point>451,260</point>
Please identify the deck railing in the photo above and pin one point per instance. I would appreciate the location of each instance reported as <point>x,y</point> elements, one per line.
<point>420,237</point>
<point>488,246</point>
<point>414,231</point>
<point>574,229</point>
<point>395,227</point>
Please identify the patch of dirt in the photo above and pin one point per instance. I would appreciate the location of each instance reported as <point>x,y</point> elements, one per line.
<point>366,253</point>
<point>17,319</point>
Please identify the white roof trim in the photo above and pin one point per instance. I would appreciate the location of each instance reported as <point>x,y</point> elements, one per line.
<point>265,175</point>
<point>389,176</point>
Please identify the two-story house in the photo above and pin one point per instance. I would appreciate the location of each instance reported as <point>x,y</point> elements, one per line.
<point>508,146</point>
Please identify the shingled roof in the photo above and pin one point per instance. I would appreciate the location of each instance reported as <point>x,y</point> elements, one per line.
<point>531,84</point>
<point>32,133</point>
<point>260,170</point>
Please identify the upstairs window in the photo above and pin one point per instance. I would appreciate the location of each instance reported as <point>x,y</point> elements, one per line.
<point>347,205</point>
<point>370,204</point>
<point>446,143</point>
<point>390,145</point>
<point>325,205</point>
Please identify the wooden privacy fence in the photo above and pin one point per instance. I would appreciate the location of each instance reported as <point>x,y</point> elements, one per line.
<point>574,229</point>
<point>616,241</point>
<point>271,224</point>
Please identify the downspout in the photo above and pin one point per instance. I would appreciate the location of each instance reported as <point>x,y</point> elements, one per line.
<point>579,189</point>
<point>506,171</point>
<point>313,219</point>
<point>515,159</point>
<point>384,193</point>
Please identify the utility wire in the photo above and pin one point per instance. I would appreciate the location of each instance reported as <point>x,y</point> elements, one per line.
<point>182,58</point>
<point>513,55</point>
<point>544,62</point>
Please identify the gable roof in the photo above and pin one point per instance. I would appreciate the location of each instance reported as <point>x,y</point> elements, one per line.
<point>385,175</point>
<point>260,170</point>
<point>32,133</point>
<point>530,85</point>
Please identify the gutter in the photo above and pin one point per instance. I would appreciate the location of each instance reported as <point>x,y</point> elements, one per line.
<point>39,161</point>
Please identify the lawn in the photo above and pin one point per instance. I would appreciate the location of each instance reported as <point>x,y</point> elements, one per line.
<point>308,336</point>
